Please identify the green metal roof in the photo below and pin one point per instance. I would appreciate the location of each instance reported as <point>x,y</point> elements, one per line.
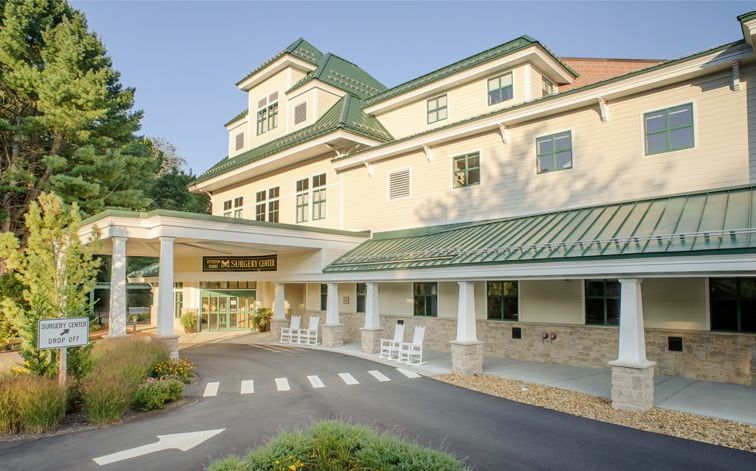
<point>747,16</point>
<point>343,75</point>
<point>488,55</point>
<point>236,118</point>
<point>696,223</point>
<point>149,271</point>
<point>299,48</point>
<point>344,114</point>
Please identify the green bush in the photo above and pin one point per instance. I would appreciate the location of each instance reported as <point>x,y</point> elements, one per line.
<point>189,321</point>
<point>261,319</point>
<point>106,397</point>
<point>332,445</point>
<point>180,369</point>
<point>30,403</point>
<point>155,393</point>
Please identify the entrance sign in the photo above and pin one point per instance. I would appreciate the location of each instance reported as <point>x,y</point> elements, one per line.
<point>250,263</point>
<point>60,333</point>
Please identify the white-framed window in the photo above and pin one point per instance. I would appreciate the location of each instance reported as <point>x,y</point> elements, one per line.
<point>547,86</point>
<point>500,89</point>
<point>437,109</point>
<point>399,182</point>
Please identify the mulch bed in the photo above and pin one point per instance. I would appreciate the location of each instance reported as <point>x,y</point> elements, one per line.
<point>677,424</point>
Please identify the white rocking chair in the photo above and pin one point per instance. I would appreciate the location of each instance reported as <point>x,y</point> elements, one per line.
<point>412,353</point>
<point>288,334</point>
<point>390,347</point>
<point>309,336</point>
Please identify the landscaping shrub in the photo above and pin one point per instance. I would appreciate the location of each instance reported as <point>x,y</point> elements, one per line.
<point>180,369</point>
<point>261,319</point>
<point>30,403</point>
<point>189,322</point>
<point>106,397</point>
<point>155,393</point>
<point>332,446</point>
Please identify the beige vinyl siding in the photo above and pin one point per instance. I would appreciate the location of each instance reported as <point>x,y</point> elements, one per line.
<point>318,101</point>
<point>395,299</point>
<point>675,303</point>
<point>557,301</point>
<point>609,163</point>
<point>463,101</point>
<point>239,127</point>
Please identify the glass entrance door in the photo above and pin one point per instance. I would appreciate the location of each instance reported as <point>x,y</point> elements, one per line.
<point>226,309</point>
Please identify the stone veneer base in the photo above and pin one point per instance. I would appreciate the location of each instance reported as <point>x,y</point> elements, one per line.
<point>171,342</point>
<point>333,335</point>
<point>632,387</point>
<point>275,327</point>
<point>467,358</point>
<point>371,340</point>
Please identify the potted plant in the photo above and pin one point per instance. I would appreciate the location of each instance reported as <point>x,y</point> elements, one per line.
<point>261,319</point>
<point>189,322</point>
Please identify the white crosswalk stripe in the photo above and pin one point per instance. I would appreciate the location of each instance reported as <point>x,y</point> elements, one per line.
<point>348,379</point>
<point>211,389</point>
<point>315,382</point>
<point>282,384</point>
<point>248,386</point>
<point>408,373</point>
<point>379,376</point>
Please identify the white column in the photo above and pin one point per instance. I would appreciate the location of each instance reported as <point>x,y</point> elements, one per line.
<point>279,302</point>
<point>165,293</point>
<point>117,322</point>
<point>372,316</point>
<point>466,331</point>
<point>632,338</point>
<point>332,305</point>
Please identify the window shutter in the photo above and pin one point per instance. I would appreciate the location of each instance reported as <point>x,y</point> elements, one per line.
<point>300,113</point>
<point>399,184</point>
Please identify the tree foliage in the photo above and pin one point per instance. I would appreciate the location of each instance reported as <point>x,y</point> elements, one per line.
<point>56,270</point>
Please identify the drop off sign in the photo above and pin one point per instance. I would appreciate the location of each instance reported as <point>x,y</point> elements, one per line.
<point>59,333</point>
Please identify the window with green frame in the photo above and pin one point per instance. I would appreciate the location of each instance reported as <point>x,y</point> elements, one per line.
<point>178,299</point>
<point>227,208</point>
<point>318,197</point>
<point>437,109</point>
<point>426,299</point>
<point>554,152</point>
<point>273,195</point>
<point>602,302</point>
<point>466,170</point>
<point>272,116</point>
<point>500,89</point>
<point>502,299</point>
<point>260,205</point>
<point>732,304</point>
<point>303,199</point>
<point>669,129</point>
<point>262,119</point>
<point>323,297</point>
<point>361,295</point>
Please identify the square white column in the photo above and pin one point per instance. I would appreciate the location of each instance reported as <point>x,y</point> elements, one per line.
<point>466,328</point>
<point>632,336</point>
<point>372,316</point>
<point>117,314</point>
<point>332,304</point>
<point>279,302</point>
<point>165,293</point>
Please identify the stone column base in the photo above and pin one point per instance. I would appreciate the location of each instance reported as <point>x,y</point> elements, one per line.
<point>275,327</point>
<point>171,342</point>
<point>371,340</point>
<point>467,358</point>
<point>632,386</point>
<point>333,335</point>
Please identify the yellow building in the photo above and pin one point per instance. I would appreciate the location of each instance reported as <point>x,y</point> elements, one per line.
<point>517,204</point>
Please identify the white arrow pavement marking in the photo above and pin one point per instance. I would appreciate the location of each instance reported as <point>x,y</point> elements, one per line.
<point>408,373</point>
<point>176,441</point>
<point>379,376</point>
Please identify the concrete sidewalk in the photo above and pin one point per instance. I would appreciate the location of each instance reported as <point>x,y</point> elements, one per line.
<point>725,401</point>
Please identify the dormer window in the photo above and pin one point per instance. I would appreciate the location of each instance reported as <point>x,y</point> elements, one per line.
<point>267,113</point>
<point>437,109</point>
<point>500,89</point>
<point>547,87</point>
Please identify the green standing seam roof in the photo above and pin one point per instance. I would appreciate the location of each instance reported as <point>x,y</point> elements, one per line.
<point>299,48</point>
<point>344,114</point>
<point>718,221</point>
<point>236,118</point>
<point>343,75</point>
<point>747,16</point>
<point>488,55</point>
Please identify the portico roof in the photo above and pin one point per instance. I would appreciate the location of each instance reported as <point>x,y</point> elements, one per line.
<point>712,222</point>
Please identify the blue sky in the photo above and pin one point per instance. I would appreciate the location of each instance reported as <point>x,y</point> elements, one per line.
<point>184,58</point>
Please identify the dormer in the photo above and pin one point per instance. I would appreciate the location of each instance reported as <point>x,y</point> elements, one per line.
<point>512,73</point>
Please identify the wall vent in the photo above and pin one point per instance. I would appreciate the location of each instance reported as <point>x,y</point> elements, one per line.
<point>516,332</point>
<point>399,184</point>
<point>239,141</point>
<point>675,344</point>
<point>300,113</point>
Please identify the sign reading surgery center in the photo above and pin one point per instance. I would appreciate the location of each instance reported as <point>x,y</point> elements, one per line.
<point>59,333</point>
<point>250,263</point>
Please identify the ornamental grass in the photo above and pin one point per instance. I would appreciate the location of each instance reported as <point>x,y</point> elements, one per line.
<point>30,403</point>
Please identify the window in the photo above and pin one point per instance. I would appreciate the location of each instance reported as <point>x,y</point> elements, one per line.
<point>323,297</point>
<point>300,113</point>
<point>500,89</point>
<point>361,292</point>
<point>437,110</point>
<point>227,208</point>
<point>547,86</point>
<point>669,129</point>
<point>466,170</point>
<point>399,184</point>
<point>238,204</point>
<point>273,116</point>
<point>239,144</point>
<point>267,113</point>
<point>426,299</point>
<point>303,199</point>
<point>273,195</point>
<point>733,304</point>
<point>554,152</point>
<point>318,197</point>
<point>602,302</point>
<point>178,299</point>
<point>502,300</point>
<point>262,118</point>
<point>260,205</point>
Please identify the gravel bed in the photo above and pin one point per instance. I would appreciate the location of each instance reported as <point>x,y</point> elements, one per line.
<point>677,424</point>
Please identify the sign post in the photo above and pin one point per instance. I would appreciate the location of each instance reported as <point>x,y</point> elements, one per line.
<point>61,334</point>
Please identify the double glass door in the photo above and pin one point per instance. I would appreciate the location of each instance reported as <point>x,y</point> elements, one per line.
<point>226,309</point>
